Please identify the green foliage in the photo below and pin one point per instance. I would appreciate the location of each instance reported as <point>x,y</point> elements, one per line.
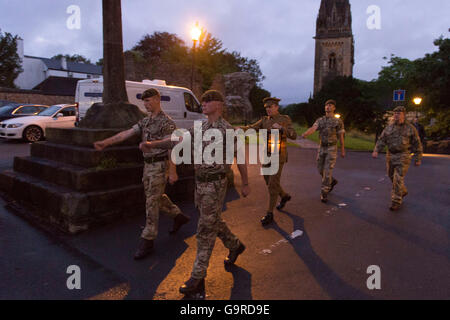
<point>72,58</point>
<point>210,56</point>
<point>10,64</point>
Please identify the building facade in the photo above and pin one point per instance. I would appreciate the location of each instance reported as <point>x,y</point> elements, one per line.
<point>334,42</point>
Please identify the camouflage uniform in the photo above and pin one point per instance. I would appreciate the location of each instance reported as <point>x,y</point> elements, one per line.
<point>329,128</point>
<point>401,140</point>
<point>210,191</point>
<point>154,175</point>
<point>273,182</point>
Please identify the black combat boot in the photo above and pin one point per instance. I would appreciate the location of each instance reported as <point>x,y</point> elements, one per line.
<point>234,254</point>
<point>268,219</point>
<point>324,197</point>
<point>178,221</point>
<point>283,202</point>
<point>193,286</point>
<point>335,182</point>
<point>395,207</point>
<point>145,247</point>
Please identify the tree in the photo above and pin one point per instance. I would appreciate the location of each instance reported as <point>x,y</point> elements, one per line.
<point>10,63</point>
<point>72,58</point>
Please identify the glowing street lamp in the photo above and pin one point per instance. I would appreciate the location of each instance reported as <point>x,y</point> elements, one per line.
<point>417,102</point>
<point>338,116</point>
<point>196,33</point>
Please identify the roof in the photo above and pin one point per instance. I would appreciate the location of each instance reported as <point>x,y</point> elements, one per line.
<point>56,64</point>
<point>60,86</point>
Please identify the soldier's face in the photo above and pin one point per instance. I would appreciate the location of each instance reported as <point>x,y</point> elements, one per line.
<point>399,117</point>
<point>152,104</point>
<point>271,109</point>
<point>329,108</point>
<point>210,107</point>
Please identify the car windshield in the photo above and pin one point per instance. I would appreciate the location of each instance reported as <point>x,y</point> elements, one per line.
<point>6,110</point>
<point>50,111</point>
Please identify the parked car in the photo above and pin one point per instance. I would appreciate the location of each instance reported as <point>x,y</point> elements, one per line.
<point>14,110</point>
<point>32,128</point>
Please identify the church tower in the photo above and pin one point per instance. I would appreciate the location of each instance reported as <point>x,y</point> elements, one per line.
<point>334,42</point>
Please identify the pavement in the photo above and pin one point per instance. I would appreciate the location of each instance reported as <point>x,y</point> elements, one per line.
<point>333,246</point>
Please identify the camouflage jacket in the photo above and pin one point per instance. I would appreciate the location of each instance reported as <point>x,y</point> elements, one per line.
<point>329,128</point>
<point>288,130</point>
<point>157,128</point>
<point>401,138</point>
<point>205,169</point>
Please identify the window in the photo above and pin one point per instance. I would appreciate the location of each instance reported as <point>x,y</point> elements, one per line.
<point>29,110</point>
<point>67,112</point>
<point>191,103</point>
<point>163,98</point>
<point>332,61</point>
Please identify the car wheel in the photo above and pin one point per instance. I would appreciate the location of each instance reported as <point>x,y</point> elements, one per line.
<point>33,134</point>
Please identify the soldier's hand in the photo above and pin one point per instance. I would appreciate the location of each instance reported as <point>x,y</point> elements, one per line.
<point>100,145</point>
<point>375,155</point>
<point>343,153</point>
<point>418,163</point>
<point>276,126</point>
<point>145,146</point>
<point>245,190</point>
<point>173,177</point>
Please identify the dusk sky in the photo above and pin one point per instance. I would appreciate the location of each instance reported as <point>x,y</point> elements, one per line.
<point>279,34</point>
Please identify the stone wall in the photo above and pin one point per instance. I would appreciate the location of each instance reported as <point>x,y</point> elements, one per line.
<point>33,96</point>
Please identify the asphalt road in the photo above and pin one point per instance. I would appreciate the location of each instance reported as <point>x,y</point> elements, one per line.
<point>329,260</point>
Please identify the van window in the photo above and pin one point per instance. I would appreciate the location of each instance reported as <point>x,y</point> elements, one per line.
<point>163,98</point>
<point>93,94</point>
<point>191,103</point>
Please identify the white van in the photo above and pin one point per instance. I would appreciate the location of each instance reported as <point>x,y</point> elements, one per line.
<point>177,102</point>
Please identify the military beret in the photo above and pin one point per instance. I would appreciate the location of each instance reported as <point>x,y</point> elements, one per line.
<point>400,109</point>
<point>150,93</point>
<point>271,99</point>
<point>331,102</point>
<point>212,95</point>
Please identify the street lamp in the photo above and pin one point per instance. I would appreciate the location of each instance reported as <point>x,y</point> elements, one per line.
<point>196,32</point>
<point>417,102</point>
<point>337,116</point>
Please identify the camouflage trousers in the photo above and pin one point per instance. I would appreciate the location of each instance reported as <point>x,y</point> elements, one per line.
<point>397,167</point>
<point>326,160</point>
<point>209,197</point>
<point>275,188</point>
<point>154,179</point>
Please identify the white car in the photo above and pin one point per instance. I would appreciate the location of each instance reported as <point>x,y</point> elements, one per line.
<point>32,128</point>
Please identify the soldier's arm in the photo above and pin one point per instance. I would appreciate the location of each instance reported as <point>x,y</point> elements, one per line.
<point>290,131</point>
<point>257,125</point>
<point>381,144</point>
<point>118,138</point>
<point>310,131</point>
<point>416,146</point>
<point>166,143</point>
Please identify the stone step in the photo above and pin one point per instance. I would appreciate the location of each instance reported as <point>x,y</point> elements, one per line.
<point>69,210</point>
<point>84,137</point>
<point>86,157</point>
<point>79,178</point>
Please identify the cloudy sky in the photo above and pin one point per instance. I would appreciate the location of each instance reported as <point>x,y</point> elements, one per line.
<point>279,34</point>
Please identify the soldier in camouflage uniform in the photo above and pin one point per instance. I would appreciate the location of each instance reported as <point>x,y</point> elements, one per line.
<point>401,139</point>
<point>211,187</point>
<point>156,126</point>
<point>275,120</point>
<point>329,128</point>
